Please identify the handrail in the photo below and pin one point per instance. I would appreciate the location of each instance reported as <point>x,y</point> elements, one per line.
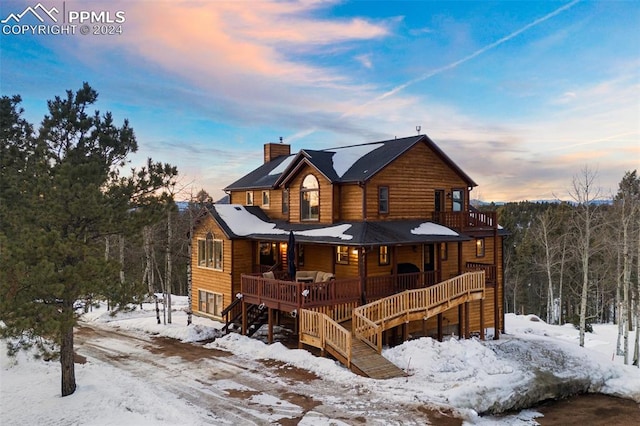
<point>370,319</point>
<point>318,329</point>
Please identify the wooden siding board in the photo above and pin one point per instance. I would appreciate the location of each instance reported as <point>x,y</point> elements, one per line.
<point>412,180</point>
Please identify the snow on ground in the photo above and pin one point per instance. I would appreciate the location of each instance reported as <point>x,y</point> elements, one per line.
<point>531,361</point>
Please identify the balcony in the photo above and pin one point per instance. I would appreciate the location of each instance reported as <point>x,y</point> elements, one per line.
<point>467,221</point>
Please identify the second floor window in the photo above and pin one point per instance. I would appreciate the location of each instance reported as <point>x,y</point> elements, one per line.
<point>457,196</point>
<point>310,199</point>
<point>249,198</point>
<point>383,199</point>
<point>285,201</point>
<point>210,253</point>
<point>265,198</point>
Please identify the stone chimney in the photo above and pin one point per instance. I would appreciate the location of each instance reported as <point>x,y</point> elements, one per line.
<point>274,150</point>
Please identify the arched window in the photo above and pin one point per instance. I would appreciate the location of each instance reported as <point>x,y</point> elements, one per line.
<point>310,198</point>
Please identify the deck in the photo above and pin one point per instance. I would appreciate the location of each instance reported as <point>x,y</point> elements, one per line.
<point>371,320</point>
<point>289,296</point>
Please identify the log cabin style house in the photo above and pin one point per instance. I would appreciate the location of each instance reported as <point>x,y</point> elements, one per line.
<point>356,243</point>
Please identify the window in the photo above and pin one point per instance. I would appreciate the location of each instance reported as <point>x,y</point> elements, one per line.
<point>342,255</point>
<point>444,251</point>
<point>458,200</point>
<point>249,198</point>
<point>210,303</point>
<point>310,199</point>
<point>384,257</point>
<point>265,198</point>
<point>479,247</point>
<point>300,255</point>
<point>285,201</point>
<point>210,253</point>
<point>383,199</point>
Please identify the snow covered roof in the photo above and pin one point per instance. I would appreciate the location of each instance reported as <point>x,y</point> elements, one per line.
<point>352,163</point>
<point>250,222</point>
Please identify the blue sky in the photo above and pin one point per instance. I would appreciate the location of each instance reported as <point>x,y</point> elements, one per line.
<point>522,95</point>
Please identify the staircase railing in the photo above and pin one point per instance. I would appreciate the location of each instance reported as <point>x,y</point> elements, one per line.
<point>319,330</point>
<point>369,321</point>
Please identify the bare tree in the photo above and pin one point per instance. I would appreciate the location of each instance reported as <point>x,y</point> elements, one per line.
<point>584,193</point>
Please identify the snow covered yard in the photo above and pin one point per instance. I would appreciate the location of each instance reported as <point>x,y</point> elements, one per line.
<point>532,362</point>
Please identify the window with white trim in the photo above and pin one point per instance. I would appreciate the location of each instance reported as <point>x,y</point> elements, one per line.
<point>265,198</point>
<point>249,198</point>
<point>210,253</point>
<point>210,303</point>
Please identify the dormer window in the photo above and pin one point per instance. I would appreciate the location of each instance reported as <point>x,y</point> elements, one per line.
<point>310,198</point>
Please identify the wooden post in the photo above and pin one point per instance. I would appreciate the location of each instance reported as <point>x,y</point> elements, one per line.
<point>460,320</point>
<point>405,332</point>
<point>481,319</point>
<point>467,322</point>
<point>270,321</point>
<point>439,327</point>
<point>244,318</point>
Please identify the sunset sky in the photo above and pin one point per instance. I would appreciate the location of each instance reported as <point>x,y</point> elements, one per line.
<point>522,95</point>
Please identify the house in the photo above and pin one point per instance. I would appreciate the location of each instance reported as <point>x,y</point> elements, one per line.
<point>386,222</point>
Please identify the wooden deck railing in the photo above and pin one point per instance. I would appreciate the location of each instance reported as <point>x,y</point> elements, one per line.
<point>369,321</point>
<point>290,295</point>
<point>380,286</point>
<point>490,271</point>
<point>319,330</point>
<point>466,220</point>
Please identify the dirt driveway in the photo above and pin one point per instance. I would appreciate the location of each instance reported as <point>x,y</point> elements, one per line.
<point>241,391</point>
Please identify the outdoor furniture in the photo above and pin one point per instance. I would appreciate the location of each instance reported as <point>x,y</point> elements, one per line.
<point>314,276</point>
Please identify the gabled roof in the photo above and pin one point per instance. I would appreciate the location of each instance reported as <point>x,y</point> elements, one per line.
<point>250,222</point>
<point>264,176</point>
<point>346,164</point>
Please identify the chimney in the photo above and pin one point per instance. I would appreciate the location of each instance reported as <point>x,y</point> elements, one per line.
<point>274,150</point>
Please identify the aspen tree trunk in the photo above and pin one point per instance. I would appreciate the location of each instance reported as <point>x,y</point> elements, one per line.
<point>121,242</point>
<point>169,265</point>
<point>564,253</point>
<point>106,258</point>
<point>619,303</point>
<point>189,276</point>
<point>148,268</point>
<point>626,286</point>
<point>636,352</point>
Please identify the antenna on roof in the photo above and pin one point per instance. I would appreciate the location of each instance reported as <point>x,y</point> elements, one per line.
<point>280,139</point>
<point>418,129</point>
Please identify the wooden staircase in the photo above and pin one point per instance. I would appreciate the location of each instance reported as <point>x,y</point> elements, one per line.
<point>367,362</point>
<point>360,349</point>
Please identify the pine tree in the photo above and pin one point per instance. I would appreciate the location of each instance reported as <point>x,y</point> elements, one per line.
<point>63,195</point>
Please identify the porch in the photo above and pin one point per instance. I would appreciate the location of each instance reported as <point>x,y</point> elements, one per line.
<point>289,296</point>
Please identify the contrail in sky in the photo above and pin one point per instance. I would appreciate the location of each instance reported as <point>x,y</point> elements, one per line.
<point>463,60</point>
